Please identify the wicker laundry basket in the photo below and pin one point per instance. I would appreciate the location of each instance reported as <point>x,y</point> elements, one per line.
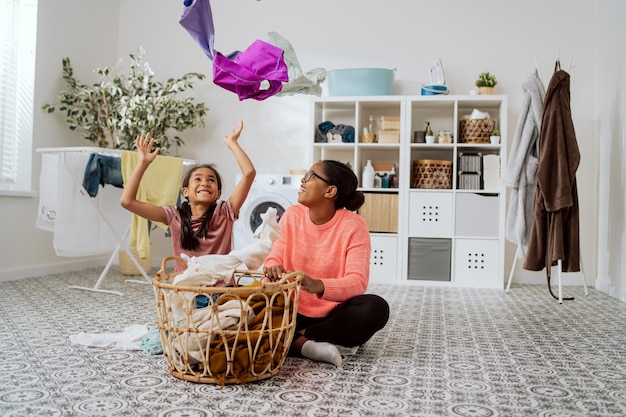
<point>128,267</point>
<point>242,335</point>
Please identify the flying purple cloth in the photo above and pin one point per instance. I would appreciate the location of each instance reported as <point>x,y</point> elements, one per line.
<point>246,73</point>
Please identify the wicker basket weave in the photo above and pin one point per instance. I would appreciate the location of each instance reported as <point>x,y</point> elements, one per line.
<point>388,136</point>
<point>380,211</point>
<point>432,173</point>
<point>127,266</point>
<point>390,123</point>
<point>476,130</point>
<point>208,344</point>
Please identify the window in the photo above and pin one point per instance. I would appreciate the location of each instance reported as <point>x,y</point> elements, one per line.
<point>18,31</point>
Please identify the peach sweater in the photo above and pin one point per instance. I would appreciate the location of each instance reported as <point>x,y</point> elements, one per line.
<point>337,252</point>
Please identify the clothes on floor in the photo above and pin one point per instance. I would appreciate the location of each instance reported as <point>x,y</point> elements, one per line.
<point>129,339</point>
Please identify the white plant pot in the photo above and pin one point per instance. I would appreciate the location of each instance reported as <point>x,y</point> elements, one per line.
<point>495,140</point>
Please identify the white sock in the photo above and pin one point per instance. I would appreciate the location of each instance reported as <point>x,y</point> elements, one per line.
<point>322,351</point>
<point>347,350</point>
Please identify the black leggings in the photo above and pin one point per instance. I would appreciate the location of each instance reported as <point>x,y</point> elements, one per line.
<point>351,323</point>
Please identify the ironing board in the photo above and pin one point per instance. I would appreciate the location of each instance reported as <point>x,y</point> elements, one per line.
<point>121,238</point>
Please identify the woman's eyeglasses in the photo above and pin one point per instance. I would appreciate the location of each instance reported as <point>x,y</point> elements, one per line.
<point>311,174</point>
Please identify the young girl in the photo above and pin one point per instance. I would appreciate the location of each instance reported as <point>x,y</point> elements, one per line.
<point>203,224</point>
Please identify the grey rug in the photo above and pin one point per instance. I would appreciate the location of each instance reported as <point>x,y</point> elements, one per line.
<point>445,352</point>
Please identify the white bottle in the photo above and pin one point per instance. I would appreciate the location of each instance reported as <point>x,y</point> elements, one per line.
<point>372,125</point>
<point>367,179</point>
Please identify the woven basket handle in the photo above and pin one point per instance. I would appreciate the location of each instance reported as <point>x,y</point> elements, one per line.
<point>295,276</point>
<point>161,274</point>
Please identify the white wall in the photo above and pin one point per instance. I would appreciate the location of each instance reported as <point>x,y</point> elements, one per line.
<point>469,37</point>
<point>90,40</point>
<point>611,114</point>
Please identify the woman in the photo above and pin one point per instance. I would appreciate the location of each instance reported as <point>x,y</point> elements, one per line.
<point>330,244</point>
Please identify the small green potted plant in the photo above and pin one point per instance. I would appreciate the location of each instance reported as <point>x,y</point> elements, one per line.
<point>486,82</point>
<point>495,137</point>
<point>112,112</point>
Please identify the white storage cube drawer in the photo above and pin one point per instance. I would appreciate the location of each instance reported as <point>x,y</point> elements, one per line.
<point>476,215</point>
<point>384,257</point>
<point>430,214</point>
<point>476,263</point>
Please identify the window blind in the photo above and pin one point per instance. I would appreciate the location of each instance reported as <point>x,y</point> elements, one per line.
<point>18,30</point>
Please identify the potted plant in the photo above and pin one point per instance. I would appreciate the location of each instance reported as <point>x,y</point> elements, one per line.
<point>486,82</point>
<point>495,137</point>
<point>112,112</point>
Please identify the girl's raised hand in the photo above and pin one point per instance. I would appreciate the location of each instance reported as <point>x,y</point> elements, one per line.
<point>235,134</point>
<point>144,144</point>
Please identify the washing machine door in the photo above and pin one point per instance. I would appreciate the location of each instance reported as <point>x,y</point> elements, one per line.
<point>250,217</point>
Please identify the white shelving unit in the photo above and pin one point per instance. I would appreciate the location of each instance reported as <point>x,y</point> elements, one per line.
<point>447,236</point>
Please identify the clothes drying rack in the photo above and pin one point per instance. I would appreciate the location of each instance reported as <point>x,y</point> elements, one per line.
<point>121,245</point>
<point>559,273</point>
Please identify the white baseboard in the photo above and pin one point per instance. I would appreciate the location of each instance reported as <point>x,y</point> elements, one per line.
<point>610,290</point>
<point>55,268</point>
<point>70,265</point>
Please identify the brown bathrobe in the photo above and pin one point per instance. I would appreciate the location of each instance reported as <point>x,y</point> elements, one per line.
<point>555,229</point>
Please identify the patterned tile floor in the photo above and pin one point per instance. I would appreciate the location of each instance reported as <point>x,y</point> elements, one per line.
<point>445,352</point>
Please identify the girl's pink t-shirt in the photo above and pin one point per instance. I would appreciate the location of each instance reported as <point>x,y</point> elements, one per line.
<point>219,236</point>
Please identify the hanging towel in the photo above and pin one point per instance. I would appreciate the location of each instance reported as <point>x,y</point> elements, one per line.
<point>160,185</point>
<point>246,73</point>
<point>82,225</point>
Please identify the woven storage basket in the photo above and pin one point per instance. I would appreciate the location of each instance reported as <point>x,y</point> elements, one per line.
<point>368,138</point>
<point>388,136</point>
<point>207,344</point>
<point>127,267</point>
<point>390,123</point>
<point>380,212</point>
<point>432,173</point>
<point>476,130</point>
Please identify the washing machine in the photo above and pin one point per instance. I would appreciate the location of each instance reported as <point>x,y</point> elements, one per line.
<point>279,191</point>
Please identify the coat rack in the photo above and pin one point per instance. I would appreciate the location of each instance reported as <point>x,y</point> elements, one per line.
<point>559,272</point>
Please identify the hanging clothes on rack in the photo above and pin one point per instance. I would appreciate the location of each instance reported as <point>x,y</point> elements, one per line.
<point>521,171</point>
<point>555,230</point>
<point>160,186</point>
<point>82,225</point>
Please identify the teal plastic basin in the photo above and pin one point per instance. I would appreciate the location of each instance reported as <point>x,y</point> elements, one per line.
<point>360,81</point>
